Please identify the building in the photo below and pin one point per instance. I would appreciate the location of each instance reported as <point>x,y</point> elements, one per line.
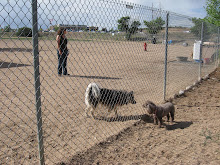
<point>92,28</point>
<point>73,27</point>
<point>78,27</point>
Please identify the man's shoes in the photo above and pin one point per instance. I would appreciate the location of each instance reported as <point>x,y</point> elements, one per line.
<point>66,74</point>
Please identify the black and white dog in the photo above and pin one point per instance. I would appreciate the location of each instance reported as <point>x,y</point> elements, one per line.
<point>95,95</point>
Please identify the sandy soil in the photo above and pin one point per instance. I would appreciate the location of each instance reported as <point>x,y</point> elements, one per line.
<point>194,137</point>
<point>66,130</point>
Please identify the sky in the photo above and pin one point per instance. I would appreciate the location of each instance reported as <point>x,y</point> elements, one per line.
<point>100,13</point>
<point>192,8</point>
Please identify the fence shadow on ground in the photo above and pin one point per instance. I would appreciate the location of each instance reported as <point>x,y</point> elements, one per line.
<point>96,77</point>
<point>15,50</point>
<point>11,64</point>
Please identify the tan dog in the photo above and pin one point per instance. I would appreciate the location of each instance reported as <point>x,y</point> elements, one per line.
<point>160,111</point>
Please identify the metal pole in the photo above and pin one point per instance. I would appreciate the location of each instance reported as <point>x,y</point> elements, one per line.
<point>200,55</point>
<point>165,62</point>
<point>37,81</point>
<point>218,52</point>
<point>9,26</point>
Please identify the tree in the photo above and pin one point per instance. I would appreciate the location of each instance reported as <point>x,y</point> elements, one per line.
<point>154,26</point>
<point>125,25</point>
<point>133,29</point>
<point>104,30</point>
<point>111,30</point>
<point>213,11</point>
<point>56,28</point>
<point>7,28</point>
<point>24,32</point>
<point>197,28</point>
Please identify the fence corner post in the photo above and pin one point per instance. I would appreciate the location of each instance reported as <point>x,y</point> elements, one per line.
<point>200,55</point>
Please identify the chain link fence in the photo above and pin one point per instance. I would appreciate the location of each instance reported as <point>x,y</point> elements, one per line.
<point>187,60</point>
<point>116,44</point>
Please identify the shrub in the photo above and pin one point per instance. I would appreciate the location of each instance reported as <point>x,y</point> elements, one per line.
<point>24,32</point>
<point>7,28</point>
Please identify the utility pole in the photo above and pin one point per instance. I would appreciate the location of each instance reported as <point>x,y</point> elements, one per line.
<point>160,8</point>
<point>152,11</point>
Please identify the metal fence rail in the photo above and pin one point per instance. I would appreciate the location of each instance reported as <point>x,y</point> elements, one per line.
<point>155,63</point>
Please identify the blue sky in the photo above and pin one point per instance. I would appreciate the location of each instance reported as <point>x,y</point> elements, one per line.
<point>192,8</point>
<point>101,13</point>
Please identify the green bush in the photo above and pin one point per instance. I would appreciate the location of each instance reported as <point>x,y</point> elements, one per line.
<point>24,32</point>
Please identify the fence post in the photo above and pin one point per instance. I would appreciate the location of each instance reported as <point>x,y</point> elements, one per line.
<point>37,81</point>
<point>218,52</point>
<point>200,55</point>
<point>165,62</point>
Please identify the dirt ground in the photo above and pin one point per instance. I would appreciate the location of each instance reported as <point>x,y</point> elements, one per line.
<point>194,137</point>
<point>66,130</point>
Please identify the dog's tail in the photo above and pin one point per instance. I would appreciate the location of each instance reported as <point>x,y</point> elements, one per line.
<point>92,89</point>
